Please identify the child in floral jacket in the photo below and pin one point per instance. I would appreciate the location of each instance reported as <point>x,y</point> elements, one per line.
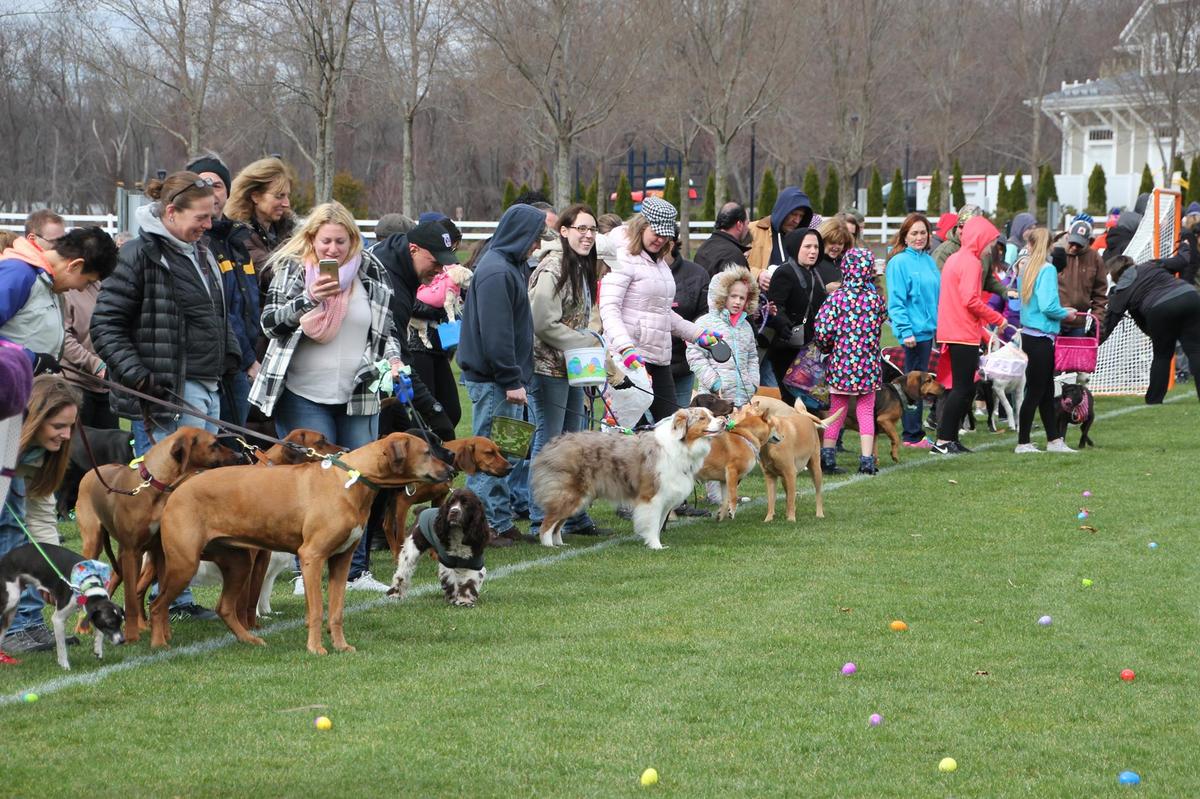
<point>847,328</point>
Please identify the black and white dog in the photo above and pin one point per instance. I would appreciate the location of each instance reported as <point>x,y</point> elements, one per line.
<point>25,567</point>
<point>458,533</point>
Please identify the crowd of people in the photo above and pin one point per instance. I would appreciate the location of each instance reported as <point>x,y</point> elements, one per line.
<point>229,309</point>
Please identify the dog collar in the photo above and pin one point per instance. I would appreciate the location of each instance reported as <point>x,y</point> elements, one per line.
<point>425,526</point>
<point>153,481</point>
<point>355,475</point>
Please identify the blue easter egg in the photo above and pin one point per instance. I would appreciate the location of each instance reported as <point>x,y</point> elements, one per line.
<point>1129,778</point>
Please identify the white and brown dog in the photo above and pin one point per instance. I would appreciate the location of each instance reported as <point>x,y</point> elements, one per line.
<point>654,471</point>
<point>458,533</point>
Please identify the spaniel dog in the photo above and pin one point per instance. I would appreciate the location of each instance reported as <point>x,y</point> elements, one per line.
<point>457,532</point>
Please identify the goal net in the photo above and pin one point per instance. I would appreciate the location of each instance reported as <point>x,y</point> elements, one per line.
<point>1123,362</point>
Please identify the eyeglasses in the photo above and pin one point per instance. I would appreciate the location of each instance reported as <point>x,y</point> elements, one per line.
<point>585,230</point>
<point>198,183</point>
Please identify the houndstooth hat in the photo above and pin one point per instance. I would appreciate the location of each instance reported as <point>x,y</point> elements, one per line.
<point>661,216</point>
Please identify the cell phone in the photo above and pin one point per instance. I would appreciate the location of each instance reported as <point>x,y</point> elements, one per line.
<point>328,267</point>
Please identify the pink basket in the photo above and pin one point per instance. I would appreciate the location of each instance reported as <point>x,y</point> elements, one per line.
<point>1077,353</point>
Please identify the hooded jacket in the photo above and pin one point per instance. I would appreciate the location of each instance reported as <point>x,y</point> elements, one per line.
<point>719,251</point>
<point>913,285</point>
<point>158,316</point>
<point>1083,285</point>
<point>988,280</point>
<point>240,285</point>
<point>1139,289</point>
<point>636,300</point>
<point>30,312</point>
<point>797,291</point>
<point>692,290</point>
<point>848,327</point>
<point>1044,311</point>
<point>739,375</point>
<point>496,343</point>
<point>1121,234</point>
<point>766,238</point>
<point>1016,232</point>
<point>961,311</point>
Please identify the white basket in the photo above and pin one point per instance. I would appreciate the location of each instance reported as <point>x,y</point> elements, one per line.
<point>1010,367</point>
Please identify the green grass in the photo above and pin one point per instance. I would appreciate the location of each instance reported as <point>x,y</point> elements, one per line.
<point>718,660</point>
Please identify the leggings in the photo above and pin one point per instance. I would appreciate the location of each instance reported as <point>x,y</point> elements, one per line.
<point>964,360</point>
<point>1174,319</point>
<point>1039,388</point>
<point>865,414</point>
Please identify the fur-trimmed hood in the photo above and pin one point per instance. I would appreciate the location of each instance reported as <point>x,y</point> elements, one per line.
<point>718,290</point>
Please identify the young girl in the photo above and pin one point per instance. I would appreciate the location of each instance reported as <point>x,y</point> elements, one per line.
<point>733,297</point>
<point>1041,315</point>
<point>847,327</point>
<point>45,449</point>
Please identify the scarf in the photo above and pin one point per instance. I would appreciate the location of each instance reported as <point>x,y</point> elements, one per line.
<point>322,323</point>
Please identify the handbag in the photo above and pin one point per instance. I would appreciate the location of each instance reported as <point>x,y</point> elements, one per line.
<point>797,338</point>
<point>807,371</point>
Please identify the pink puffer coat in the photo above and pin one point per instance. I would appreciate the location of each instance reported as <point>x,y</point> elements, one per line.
<point>635,305</point>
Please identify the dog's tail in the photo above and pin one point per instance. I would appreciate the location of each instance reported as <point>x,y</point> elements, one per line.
<point>816,420</point>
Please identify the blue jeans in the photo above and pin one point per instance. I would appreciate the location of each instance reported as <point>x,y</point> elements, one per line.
<point>235,399</point>
<point>29,606</point>
<point>209,402</point>
<point>683,389</point>
<point>557,408</point>
<point>293,411</point>
<point>488,402</point>
<point>766,374</point>
<point>915,359</point>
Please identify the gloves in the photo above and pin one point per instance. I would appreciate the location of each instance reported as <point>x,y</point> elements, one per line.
<point>45,364</point>
<point>716,386</point>
<point>708,338</point>
<point>632,358</point>
<point>439,423</point>
<point>148,386</point>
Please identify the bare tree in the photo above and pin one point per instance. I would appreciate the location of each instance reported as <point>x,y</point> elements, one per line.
<point>563,53</point>
<point>409,35</point>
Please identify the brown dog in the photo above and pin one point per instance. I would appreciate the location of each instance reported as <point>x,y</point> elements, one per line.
<point>735,452</point>
<point>800,448</point>
<point>280,455</point>
<point>890,401</point>
<point>471,456</point>
<point>318,513</point>
<point>133,520</point>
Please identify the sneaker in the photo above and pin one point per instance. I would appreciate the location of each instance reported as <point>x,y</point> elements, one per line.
<point>944,449</point>
<point>625,513</point>
<point>924,443</point>
<point>1025,449</point>
<point>958,447</point>
<point>27,640</point>
<point>687,509</point>
<point>505,539</point>
<point>192,612</point>
<point>5,660</point>
<point>366,582</point>
<point>930,424</point>
<point>298,585</point>
<point>1059,445</point>
<point>592,529</point>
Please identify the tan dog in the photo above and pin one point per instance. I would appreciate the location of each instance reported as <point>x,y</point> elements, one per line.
<point>471,456</point>
<point>800,448</point>
<point>133,520</point>
<point>735,452</point>
<point>318,513</point>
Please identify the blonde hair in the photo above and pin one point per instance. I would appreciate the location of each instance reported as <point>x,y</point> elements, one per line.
<point>300,246</point>
<point>50,395</point>
<point>833,231</point>
<point>635,226</point>
<point>1039,250</point>
<point>265,174</point>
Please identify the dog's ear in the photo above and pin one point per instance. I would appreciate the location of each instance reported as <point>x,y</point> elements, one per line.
<point>181,449</point>
<point>399,450</point>
<point>464,459</point>
<point>912,384</point>
<point>679,423</point>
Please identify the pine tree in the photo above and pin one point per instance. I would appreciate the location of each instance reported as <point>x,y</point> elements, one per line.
<point>350,192</point>
<point>1002,195</point>
<point>523,189</point>
<point>1097,201</point>
<point>589,194</point>
<point>934,203</point>
<point>580,191</point>
<point>896,204</point>
<point>957,196</point>
<point>833,192</point>
<point>768,194</point>
<point>709,211</point>
<point>510,194</point>
<point>1193,192</point>
<point>1178,166</point>
<point>812,184</point>
<point>624,206</point>
<point>671,188</point>
<point>545,187</point>
<point>1147,184</point>
<point>1046,189</point>
<point>875,194</point>
<point>1018,200</point>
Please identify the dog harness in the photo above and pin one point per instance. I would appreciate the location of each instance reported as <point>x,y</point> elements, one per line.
<point>1079,413</point>
<point>425,524</point>
<point>89,578</point>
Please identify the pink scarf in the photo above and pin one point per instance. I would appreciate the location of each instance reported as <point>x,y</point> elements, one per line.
<point>322,323</point>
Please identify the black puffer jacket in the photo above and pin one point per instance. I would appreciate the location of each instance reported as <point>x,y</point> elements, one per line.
<point>691,302</point>
<point>154,318</point>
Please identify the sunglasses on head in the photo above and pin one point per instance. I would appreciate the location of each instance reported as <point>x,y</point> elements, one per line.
<point>198,183</point>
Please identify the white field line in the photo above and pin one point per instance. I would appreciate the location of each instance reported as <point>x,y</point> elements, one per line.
<point>220,642</point>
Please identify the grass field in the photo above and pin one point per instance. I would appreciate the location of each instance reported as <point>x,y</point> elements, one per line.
<point>717,661</point>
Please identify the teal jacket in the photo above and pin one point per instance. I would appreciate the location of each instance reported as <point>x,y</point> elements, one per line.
<point>1043,311</point>
<point>913,286</point>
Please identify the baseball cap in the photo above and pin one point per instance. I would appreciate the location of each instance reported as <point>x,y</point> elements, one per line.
<point>661,216</point>
<point>968,211</point>
<point>434,237</point>
<point>1080,233</point>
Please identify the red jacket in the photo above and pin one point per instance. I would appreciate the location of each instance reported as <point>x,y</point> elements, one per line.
<point>961,310</point>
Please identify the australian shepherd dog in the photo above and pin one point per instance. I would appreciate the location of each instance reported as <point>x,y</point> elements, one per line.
<point>654,471</point>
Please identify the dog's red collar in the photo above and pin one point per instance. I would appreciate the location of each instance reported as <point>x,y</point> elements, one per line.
<point>154,482</point>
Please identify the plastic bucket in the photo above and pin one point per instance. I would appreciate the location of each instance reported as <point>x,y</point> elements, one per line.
<point>585,366</point>
<point>512,436</point>
<point>448,333</point>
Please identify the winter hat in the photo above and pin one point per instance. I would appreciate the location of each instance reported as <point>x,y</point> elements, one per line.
<point>968,211</point>
<point>210,163</point>
<point>1193,208</point>
<point>858,267</point>
<point>16,379</point>
<point>945,224</point>
<point>816,221</point>
<point>661,216</point>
